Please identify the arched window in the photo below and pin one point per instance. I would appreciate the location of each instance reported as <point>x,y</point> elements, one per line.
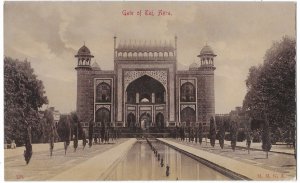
<point>188,115</point>
<point>103,92</point>
<point>166,54</point>
<point>103,116</point>
<point>187,92</point>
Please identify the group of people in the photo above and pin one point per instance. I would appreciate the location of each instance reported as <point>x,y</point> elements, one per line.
<point>159,158</point>
<point>189,134</point>
<point>106,135</point>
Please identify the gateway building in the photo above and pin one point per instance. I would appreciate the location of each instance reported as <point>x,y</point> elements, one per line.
<point>145,89</point>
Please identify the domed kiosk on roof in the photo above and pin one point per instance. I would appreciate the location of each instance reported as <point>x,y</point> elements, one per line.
<point>84,51</point>
<point>207,57</point>
<point>194,66</point>
<point>207,50</point>
<point>95,66</point>
<point>84,57</point>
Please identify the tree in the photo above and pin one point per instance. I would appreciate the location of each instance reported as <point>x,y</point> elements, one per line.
<point>271,86</point>
<point>200,133</point>
<point>64,130</point>
<point>81,134</point>
<point>23,95</point>
<point>266,141</point>
<point>91,131</point>
<point>222,135</point>
<point>248,140</point>
<point>233,134</point>
<point>48,116</point>
<point>75,124</point>
<point>212,132</point>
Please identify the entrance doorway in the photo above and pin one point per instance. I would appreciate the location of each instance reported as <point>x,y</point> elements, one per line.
<point>131,120</point>
<point>145,121</point>
<point>159,119</point>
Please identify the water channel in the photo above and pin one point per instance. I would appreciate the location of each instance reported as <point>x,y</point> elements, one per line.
<point>140,163</point>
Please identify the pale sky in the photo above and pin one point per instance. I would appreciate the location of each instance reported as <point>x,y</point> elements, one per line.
<point>49,34</point>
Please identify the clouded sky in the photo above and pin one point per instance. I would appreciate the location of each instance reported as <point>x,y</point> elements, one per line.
<point>49,34</point>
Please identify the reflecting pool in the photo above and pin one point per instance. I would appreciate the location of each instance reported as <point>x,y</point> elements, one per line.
<point>141,163</point>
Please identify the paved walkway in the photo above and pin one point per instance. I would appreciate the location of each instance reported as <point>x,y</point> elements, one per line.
<point>257,146</point>
<point>99,165</point>
<point>35,148</point>
<point>246,167</point>
<point>44,167</point>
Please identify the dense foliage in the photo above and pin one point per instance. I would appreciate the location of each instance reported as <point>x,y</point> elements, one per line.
<point>271,87</point>
<point>23,95</point>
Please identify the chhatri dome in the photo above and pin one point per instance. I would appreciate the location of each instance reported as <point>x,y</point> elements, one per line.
<point>194,66</point>
<point>207,50</point>
<point>95,66</point>
<point>84,51</point>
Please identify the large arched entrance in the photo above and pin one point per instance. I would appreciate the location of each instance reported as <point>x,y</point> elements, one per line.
<point>145,90</point>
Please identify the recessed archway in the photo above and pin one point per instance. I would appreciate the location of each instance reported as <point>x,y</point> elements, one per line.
<point>188,115</point>
<point>131,120</point>
<point>103,116</point>
<point>145,90</point>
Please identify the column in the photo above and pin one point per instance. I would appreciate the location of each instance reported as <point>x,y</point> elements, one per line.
<point>153,97</point>
<point>137,98</point>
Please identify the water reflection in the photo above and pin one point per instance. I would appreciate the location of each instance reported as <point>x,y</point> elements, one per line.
<point>141,164</point>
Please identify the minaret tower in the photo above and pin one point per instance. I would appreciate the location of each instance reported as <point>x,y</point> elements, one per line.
<point>207,68</point>
<point>84,83</point>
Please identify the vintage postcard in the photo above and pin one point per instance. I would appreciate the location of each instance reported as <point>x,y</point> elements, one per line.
<point>172,90</point>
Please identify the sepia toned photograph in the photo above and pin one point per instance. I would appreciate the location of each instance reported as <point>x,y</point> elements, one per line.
<point>149,91</point>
